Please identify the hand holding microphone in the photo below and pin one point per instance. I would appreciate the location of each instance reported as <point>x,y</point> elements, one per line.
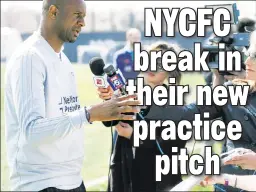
<point>99,77</point>
<point>107,79</point>
<point>118,83</point>
<point>115,108</point>
<point>115,79</point>
<point>105,92</point>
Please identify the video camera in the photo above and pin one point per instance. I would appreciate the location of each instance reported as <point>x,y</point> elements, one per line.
<point>236,41</point>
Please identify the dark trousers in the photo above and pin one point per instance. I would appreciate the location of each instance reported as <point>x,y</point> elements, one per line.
<point>81,188</point>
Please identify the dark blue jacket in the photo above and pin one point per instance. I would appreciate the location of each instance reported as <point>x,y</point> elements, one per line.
<point>123,60</point>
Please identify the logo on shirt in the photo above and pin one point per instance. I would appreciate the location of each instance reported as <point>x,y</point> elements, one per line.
<point>69,104</point>
<point>126,61</point>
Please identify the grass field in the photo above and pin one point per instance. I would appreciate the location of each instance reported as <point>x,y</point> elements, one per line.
<point>97,137</point>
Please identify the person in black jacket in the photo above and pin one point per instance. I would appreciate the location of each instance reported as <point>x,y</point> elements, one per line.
<point>133,169</point>
<point>246,115</point>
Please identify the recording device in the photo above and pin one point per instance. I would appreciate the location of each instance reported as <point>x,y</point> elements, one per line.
<point>100,78</point>
<point>115,79</point>
<point>235,42</point>
<point>232,9</point>
<point>246,25</point>
<point>230,154</point>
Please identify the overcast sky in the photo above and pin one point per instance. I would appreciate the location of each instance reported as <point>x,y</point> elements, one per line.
<point>247,8</point>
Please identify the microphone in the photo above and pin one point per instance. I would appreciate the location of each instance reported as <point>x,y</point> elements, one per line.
<point>117,82</point>
<point>100,78</point>
<point>115,79</point>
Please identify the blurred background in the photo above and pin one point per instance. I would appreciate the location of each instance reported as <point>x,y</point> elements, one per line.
<point>104,34</point>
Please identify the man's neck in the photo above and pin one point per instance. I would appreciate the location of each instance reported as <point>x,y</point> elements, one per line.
<point>51,38</point>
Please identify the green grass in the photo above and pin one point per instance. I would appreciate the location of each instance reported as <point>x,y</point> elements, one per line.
<point>97,137</point>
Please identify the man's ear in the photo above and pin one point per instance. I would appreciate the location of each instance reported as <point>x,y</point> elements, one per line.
<point>53,11</point>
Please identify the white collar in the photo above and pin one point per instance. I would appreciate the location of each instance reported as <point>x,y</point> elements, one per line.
<point>49,48</point>
<point>37,33</point>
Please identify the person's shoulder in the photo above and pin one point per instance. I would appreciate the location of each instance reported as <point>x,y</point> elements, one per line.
<point>25,54</point>
<point>119,52</point>
<point>122,54</point>
<point>26,49</point>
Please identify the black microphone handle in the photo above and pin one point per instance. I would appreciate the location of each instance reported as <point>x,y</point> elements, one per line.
<point>123,91</point>
<point>110,123</point>
<point>114,123</point>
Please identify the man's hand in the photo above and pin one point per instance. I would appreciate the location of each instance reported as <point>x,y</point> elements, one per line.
<point>105,93</point>
<point>124,130</point>
<point>115,108</point>
<point>245,161</point>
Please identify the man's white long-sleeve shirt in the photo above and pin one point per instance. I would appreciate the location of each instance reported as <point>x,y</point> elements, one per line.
<point>44,120</point>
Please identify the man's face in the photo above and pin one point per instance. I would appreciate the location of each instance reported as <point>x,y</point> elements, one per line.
<point>134,38</point>
<point>70,20</point>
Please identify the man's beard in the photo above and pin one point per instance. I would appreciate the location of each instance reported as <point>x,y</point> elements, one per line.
<point>71,40</point>
<point>65,37</point>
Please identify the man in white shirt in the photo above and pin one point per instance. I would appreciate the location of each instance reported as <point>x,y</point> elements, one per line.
<point>44,120</point>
